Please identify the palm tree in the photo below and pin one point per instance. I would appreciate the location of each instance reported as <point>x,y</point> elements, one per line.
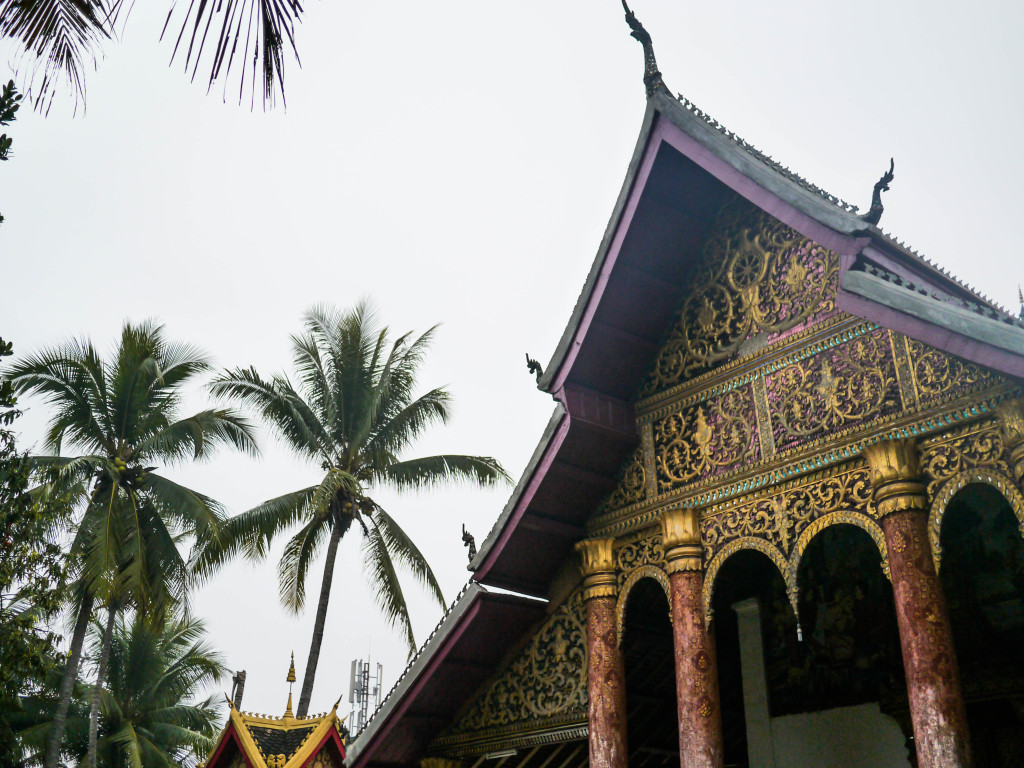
<point>154,673</point>
<point>150,715</point>
<point>123,417</point>
<point>352,414</point>
<point>59,39</point>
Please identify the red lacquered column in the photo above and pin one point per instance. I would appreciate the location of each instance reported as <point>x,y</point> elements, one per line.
<point>697,697</point>
<point>606,679</point>
<point>933,683</point>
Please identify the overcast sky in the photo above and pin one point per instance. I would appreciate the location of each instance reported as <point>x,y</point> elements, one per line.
<point>457,162</point>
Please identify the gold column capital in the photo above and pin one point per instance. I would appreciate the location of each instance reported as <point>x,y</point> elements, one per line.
<point>597,557</point>
<point>895,471</point>
<point>680,536</point>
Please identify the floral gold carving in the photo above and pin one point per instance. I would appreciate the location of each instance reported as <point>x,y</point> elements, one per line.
<point>631,487</point>
<point>705,439</point>
<point>781,516</point>
<point>978,445</point>
<point>850,383</point>
<point>756,276</point>
<point>546,679</point>
<point>631,555</point>
<point>938,374</point>
<point>1011,420</point>
<point>325,759</point>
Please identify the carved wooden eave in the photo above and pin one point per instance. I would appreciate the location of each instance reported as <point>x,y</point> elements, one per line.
<point>479,629</point>
<point>684,166</point>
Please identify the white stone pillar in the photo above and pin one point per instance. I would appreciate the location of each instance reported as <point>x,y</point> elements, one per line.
<point>760,750</point>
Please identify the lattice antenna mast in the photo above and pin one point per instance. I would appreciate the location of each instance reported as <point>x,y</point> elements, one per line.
<point>364,692</point>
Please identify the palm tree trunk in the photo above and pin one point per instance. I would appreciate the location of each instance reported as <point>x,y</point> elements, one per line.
<point>321,617</point>
<point>55,739</point>
<point>101,673</point>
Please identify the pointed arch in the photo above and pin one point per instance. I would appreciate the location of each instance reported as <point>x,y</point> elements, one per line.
<point>643,572</point>
<point>767,549</point>
<point>957,483</point>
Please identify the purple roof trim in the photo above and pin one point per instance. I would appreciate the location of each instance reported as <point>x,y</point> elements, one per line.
<point>506,523</point>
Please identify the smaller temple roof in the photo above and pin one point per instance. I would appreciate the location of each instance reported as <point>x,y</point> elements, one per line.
<point>286,741</point>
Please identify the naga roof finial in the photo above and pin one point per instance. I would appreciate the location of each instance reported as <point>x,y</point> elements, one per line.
<point>874,214</point>
<point>652,75</point>
<point>1020,295</point>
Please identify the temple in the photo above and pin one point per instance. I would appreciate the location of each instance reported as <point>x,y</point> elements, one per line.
<point>776,518</point>
<point>264,741</point>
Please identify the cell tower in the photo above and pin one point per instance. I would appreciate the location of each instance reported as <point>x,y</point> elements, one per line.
<point>363,692</point>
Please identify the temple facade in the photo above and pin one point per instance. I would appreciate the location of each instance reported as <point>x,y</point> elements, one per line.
<point>776,518</point>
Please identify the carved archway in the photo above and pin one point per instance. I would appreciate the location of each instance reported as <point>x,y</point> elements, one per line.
<point>643,572</point>
<point>869,526</point>
<point>772,552</point>
<point>957,483</point>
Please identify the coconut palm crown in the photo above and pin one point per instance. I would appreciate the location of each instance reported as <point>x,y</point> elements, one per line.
<point>352,413</point>
<point>122,418</point>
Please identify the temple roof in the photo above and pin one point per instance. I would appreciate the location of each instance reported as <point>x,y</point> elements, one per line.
<point>476,632</point>
<point>279,742</point>
<point>685,166</point>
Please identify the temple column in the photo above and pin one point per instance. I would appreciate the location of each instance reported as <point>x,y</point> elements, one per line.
<point>1011,419</point>
<point>606,676</point>
<point>933,683</point>
<point>697,697</point>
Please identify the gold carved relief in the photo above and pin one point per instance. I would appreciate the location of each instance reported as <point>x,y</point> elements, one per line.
<point>978,445</point>
<point>938,374</point>
<point>756,277</point>
<point>547,678</point>
<point>780,516</point>
<point>849,383</point>
<point>637,553</point>
<point>632,485</point>
<point>705,439</point>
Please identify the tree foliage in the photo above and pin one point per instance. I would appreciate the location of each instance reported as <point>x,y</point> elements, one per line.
<point>32,574</point>
<point>59,39</point>
<point>353,412</point>
<point>10,103</point>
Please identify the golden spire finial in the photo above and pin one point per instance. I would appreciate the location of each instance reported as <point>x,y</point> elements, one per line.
<point>291,679</point>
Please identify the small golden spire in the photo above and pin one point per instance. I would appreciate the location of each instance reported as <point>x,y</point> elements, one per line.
<point>291,679</point>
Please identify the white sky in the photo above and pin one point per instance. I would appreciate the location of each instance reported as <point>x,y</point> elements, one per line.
<point>457,162</point>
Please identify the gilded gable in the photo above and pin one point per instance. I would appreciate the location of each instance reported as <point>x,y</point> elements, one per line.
<point>543,686</point>
<point>757,280</point>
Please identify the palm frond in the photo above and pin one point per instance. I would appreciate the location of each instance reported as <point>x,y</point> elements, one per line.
<point>198,436</point>
<point>402,549</point>
<point>278,403</point>
<point>252,532</point>
<point>383,580</point>
<point>434,471</point>
<point>197,513</point>
<point>242,30</point>
<point>59,38</point>
<point>299,553</point>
